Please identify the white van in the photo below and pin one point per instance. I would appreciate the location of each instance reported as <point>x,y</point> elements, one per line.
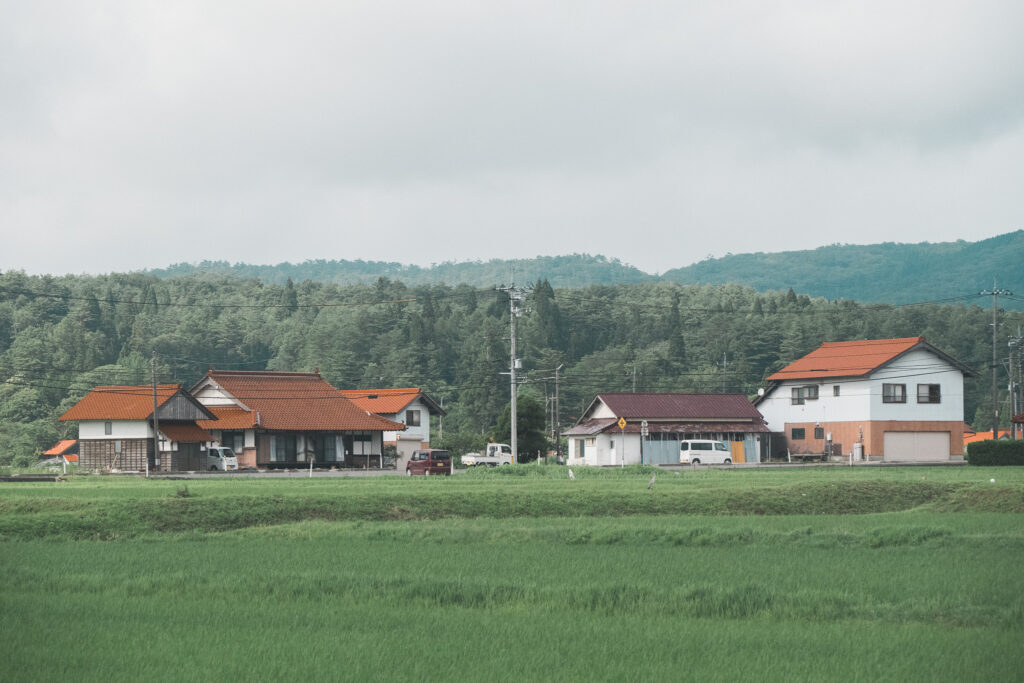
<point>697,451</point>
<point>221,458</point>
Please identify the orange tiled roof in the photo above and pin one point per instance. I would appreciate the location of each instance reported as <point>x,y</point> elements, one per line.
<point>229,417</point>
<point>185,433</point>
<point>381,401</point>
<point>846,359</point>
<point>298,401</point>
<point>62,447</point>
<point>120,403</point>
<point>985,436</point>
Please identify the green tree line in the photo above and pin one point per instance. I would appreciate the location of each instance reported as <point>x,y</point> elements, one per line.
<point>60,336</point>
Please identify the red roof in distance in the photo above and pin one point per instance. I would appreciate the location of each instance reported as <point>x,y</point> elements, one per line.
<point>296,401</point>
<point>62,447</point>
<point>850,358</point>
<point>381,401</point>
<point>681,407</point>
<point>120,402</point>
<point>229,418</point>
<point>185,433</point>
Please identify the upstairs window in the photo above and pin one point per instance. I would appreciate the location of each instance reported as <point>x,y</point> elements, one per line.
<point>108,428</point>
<point>835,389</point>
<point>800,395</point>
<point>412,418</point>
<point>929,393</point>
<point>894,393</point>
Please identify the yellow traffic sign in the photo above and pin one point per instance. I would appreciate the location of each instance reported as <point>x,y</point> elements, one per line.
<point>622,423</point>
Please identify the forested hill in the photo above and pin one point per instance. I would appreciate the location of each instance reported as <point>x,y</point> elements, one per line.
<point>883,273</point>
<point>877,273</point>
<point>577,270</point>
<point>61,336</point>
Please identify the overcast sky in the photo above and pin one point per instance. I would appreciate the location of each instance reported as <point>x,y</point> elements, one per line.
<point>138,133</point>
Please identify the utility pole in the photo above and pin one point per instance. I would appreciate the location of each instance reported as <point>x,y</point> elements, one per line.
<point>558,424</point>
<point>156,420</point>
<point>515,297</point>
<point>724,365</point>
<point>1016,344</point>
<point>994,293</point>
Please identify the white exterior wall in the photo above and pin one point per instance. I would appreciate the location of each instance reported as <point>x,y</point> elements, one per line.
<point>210,395</point>
<point>919,367</point>
<point>861,399</point>
<point>420,433</point>
<point>603,453</point>
<point>120,429</point>
<point>853,403</point>
<point>601,410</point>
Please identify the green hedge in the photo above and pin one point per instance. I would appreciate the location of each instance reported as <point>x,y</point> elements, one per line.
<point>996,453</point>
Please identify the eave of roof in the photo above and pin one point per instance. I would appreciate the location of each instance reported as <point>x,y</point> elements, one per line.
<point>185,433</point>
<point>229,418</point>
<point>677,406</point>
<point>298,401</point>
<point>857,359</point>
<point>609,425</point>
<point>61,447</point>
<point>120,402</point>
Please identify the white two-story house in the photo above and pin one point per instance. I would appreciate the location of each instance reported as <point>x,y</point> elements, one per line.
<point>410,406</point>
<point>884,399</point>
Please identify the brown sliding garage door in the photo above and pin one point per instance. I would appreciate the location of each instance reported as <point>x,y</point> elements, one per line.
<point>916,446</point>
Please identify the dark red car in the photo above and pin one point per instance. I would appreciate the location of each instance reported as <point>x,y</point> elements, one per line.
<point>429,461</point>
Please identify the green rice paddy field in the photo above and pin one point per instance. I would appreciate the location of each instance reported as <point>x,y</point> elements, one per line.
<point>823,574</point>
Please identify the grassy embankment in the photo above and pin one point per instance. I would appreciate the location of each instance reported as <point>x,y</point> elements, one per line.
<point>506,577</point>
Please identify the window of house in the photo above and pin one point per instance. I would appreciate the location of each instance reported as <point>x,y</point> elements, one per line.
<point>929,393</point>
<point>894,393</point>
<point>819,432</point>
<point>797,434</point>
<point>325,448</point>
<point>811,392</point>
<point>233,440</point>
<point>412,418</point>
<point>362,443</point>
<point>108,428</point>
<point>282,447</point>
<point>797,396</point>
<point>835,389</point>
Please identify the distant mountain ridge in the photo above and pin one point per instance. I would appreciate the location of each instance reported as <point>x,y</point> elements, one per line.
<point>880,273</point>
<point>575,270</point>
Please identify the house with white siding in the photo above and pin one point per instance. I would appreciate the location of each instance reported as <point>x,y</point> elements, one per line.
<point>411,407</point>
<point>881,399</point>
<point>115,428</point>
<point>627,429</point>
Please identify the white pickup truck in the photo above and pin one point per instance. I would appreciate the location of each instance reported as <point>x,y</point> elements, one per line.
<point>496,454</point>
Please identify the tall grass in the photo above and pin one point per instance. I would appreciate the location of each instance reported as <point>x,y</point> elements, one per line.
<point>517,575</point>
<point>892,596</point>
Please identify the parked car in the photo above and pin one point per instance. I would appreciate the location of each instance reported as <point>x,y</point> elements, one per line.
<point>428,461</point>
<point>221,458</point>
<point>697,451</point>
